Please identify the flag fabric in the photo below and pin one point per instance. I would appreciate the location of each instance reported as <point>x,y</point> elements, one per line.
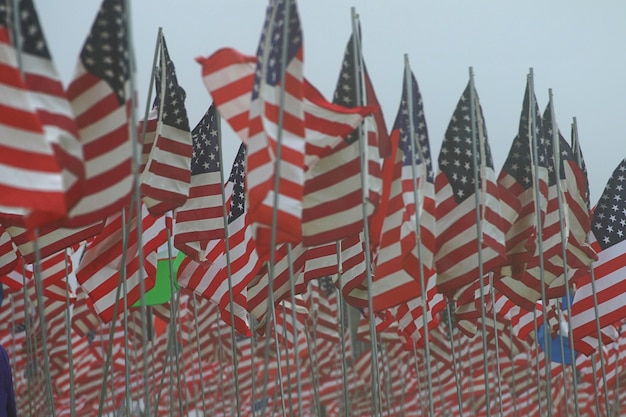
<point>101,265</point>
<point>166,177</point>
<point>608,239</point>
<point>333,195</point>
<point>397,267</point>
<point>8,253</point>
<point>276,123</point>
<point>518,178</point>
<point>229,77</point>
<point>100,97</point>
<point>31,178</point>
<point>457,243</point>
<point>210,280</point>
<point>201,219</point>
<point>50,101</point>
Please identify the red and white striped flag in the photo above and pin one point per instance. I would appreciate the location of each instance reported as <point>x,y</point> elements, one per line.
<point>457,241</point>
<point>101,99</point>
<point>50,101</point>
<point>99,269</point>
<point>201,219</point>
<point>167,174</point>
<point>608,239</point>
<point>275,181</point>
<point>211,279</point>
<point>31,179</point>
<point>397,271</point>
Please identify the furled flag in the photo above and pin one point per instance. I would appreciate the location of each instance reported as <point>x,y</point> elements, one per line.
<point>30,175</point>
<point>517,180</point>
<point>101,99</point>
<point>333,190</point>
<point>276,145</point>
<point>201,219</point>
<point>608,238</point>
<point>407,174</point>
<point>211,281</point>
<point>165,179</point>
<point>458,207</point>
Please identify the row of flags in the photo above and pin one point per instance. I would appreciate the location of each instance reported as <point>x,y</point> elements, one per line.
<point>318,190</point>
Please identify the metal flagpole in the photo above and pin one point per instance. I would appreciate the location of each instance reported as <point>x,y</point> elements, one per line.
<point>570,335</point>
<point>595,385</point>
<point>270,315</point>
<point>287,361</point>
<point>535,163</point>
<point>514,389</point>
<point>314,363</point>
<point>537,359</point>
<point>386,376</point>
<point>419,381</point>
<point>376,403</point>
<point>231,303</point>
<point>136,183</point>
<point>125,321</point>
<point>342,331</point>
<point>199,350</point>
<point>457,381</point>
<point>414,141</point>
<point>174,317</point>
<point>496,342</point>
<point>292,288</point>
<point>478,177</point>
<point>68,334</point>
<point>220,356</point>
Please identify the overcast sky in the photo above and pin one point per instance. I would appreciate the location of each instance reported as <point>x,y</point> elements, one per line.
<point>575,47</point>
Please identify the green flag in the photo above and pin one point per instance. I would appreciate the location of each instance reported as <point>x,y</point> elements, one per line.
<point>161,292</point>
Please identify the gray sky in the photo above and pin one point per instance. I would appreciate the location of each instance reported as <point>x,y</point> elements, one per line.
<point>575,47</point>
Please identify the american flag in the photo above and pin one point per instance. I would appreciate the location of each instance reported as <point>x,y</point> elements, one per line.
<point>165,179</point>
<point>333,193</point>
<point>8,253</point>
<point>100,97</point>
<point>271,118</point>
<point>397,277</point>
<point>608,238</point>
<point>50,101</point>
<point>200,219</point>
<point>32,181</point>
<point>100,266</point>
<point>517,191</point>
<point>457,241</point>
<point>212,282</point>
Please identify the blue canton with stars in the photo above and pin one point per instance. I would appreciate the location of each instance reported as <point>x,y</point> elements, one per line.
<point>205,154</point>
<point>173,112</point>
<point>545,145</point>
<point>518,162</point>
<point>32,36</point>
<point>105,53</point>
<point>272,38</point>
<point>402,124</point>
<point>237,178</point>
<point>580,160</point>
<point>455,159</point>
<point>609,217</point>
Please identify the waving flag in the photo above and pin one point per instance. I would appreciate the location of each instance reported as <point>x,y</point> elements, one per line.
<point>277,112</point>
<point>609,240</point>
<point>101,98</point>
<point>457,242</point>
<point>201,219</point>
<point>165,179</point>
<point>30,175</point>
<point>397,273</point>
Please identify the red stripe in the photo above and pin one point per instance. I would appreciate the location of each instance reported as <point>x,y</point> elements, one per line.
<point>97,111</point>
<point>20,119</point>
<point>106,142</point>
<point>175,147</point>
<point>44,85</point>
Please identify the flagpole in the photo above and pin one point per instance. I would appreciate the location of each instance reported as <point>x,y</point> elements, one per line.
<point>68,334</point>
<point>218,124</point>
<point>287,364</point>
<point>419,379</point>
<point>595,299</point>
<point>457,382</point>
<point>557,167</point>
<point>595,386</point>
<point>514,390</point>
<point>292,289</point>
<point>478,176</point>
<point>496,341</point>
<point>314,367</point>
<point>535,160</point>
<point>270,315</point>
<point>125,321</point>
<point>220,356</point>
<point>199,350</point>
<point>376,403</point>
<point>342,332</point>
<point>408,82</point>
